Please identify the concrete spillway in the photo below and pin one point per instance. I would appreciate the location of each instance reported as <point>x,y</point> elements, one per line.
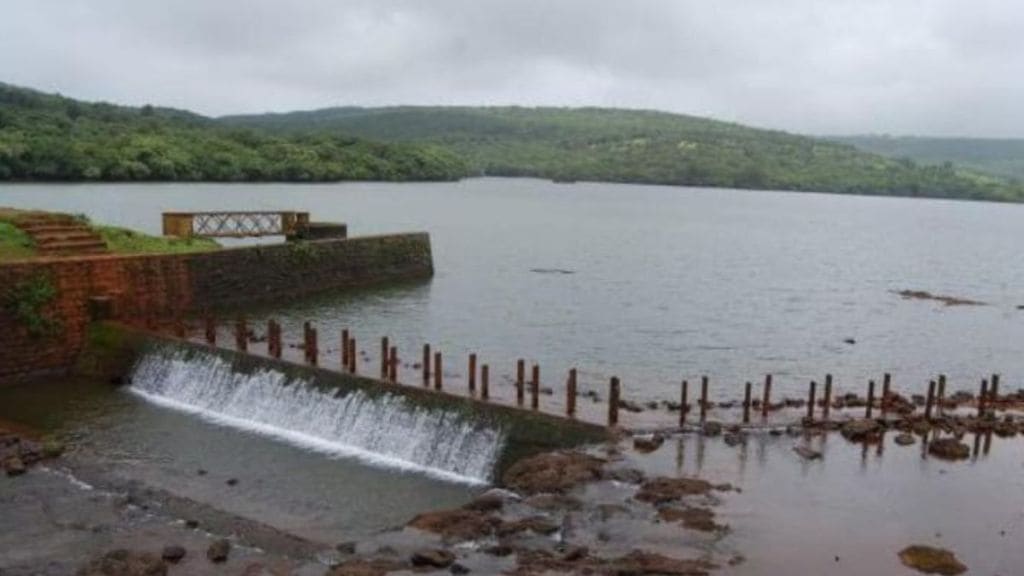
<point>384,429</point>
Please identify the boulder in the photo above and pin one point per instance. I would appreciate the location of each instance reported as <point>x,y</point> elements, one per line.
<point>433,557</point>
<point>862,430</point>
<point>535,524</point>
<point>173,553</point>
<point>930,560</point>
<point>218,551</point>
<point>125,563</point>
<point>458,524</point>
<point>712,429</point>
<point>949,449</point>
<point>555,472</point>
<point>905,439</point>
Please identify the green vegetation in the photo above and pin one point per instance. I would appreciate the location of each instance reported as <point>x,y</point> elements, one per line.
<point>999,157</point>
<point>27,301</point>
<point>639,146</point>
<point>14,243</point>
<point>49,137</point>
<point>125,241</point>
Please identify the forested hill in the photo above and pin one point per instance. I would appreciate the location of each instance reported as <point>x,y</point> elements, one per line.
<point>49,137</point>
<point>640,146</point>
<point>998,156</point>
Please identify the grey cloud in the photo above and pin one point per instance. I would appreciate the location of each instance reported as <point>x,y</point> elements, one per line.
<point>834,66</point>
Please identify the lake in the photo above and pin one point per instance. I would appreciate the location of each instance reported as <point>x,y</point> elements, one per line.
<point>653,284</point>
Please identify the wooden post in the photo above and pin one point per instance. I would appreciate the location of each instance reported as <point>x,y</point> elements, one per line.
<point>683,408</point>
<point>746,403</point>
<point>766,399</point>
<point>384,350</point>
<point>810,400</point>
<point>826,410</point>
<point>393,365</point>
<point>438,372</point>
<point>344,348</point>
<point>472,374</point>
<point>703,399</point>
<point>613,402</point>
<point>930,400</point>
<point>353,358</point>
<point>871,399</point>
<point>570,394</point>
<point>211,330</point>
<point>942,393</point>
<point>886,379</point>
<point>306,327</point>
<point>982,395</point>
<point>993,393</point>
<point>520,381</point>
<point>426,365</point>
<point>314,348</point>
<point>274,339</point>
<point>485,388</point>
<point>535,388</point>
<point>241,335</point>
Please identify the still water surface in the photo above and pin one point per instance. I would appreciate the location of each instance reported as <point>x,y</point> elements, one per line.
<point>653,284</point>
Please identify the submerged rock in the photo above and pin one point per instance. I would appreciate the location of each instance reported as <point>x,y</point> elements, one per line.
<point>949,449</point>
<point>905,439</point>
<point>931,560</point>
<point>218,551</point>
<point>173,553</point>
<point>695,518</point>
<point>553,472</point>
<point>459,524</point>
<point>648,442</point>
<point>660,490</point>
<point>860,430</point>
<point>712,429</point>
<point>807,453</point>
<point>125,563</point>
<point>434,558</point>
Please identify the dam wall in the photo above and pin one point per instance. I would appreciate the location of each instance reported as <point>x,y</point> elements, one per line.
<point>46,304</point>
<point>430,431</point>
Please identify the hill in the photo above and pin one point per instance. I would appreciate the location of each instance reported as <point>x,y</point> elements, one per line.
<point>50,137</point>
<point>997,156</point>
<point>639,146</point>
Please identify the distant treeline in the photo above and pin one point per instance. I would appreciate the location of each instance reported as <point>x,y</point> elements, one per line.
<point>998,156</point>
<point>47,137</point>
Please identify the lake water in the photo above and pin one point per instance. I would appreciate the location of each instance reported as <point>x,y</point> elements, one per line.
<point>663,283</point>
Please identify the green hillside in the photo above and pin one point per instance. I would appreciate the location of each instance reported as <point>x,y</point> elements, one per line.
<point>997,156</point>
<point>640,146</point>
<point>49,137</point>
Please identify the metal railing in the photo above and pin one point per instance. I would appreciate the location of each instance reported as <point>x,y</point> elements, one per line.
<point>238,224</point>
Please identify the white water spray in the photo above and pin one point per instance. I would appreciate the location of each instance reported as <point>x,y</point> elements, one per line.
<point>385,430</point>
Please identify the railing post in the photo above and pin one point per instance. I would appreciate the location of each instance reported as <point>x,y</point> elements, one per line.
<point>570,394</point>
<point>613,402</point>
<point>438,372</point>
<point>485,388</point>
<point>472,374</point>
<point>535,388</point>
<point>241,335</point>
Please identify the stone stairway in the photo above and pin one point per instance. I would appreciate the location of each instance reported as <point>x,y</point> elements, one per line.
<point>61,235</point>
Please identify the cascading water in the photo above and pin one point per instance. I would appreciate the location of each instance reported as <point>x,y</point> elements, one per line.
<point>385,429</point>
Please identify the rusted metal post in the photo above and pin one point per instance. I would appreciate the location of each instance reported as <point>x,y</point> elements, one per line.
<point>211,330</point>
<point>942,394</point>
<point>520,381</point>
<point>930,400</point>
<point>535,388</point>
<point>306,327</point>
<point>353,358</point>
<point>241,335</point>
<point>993,393</point>
<point>426,365</point>
<point>886,379</point>
<point>344,349</point>
<point>683,407</point>
<point>746,403</point>
<point>393,365</point>
<point>314,348</point>
<point>826,409</point>
<point>613,401</point>
<point>570,394</point>
<point>766,399</point>
<point>472,374</point>
<point>871,399</point>
<point>384,349</point>
<point>811,392</point>
<point>438,372</point>
<point>982,396</point>
<point>485,387</point>
<point>703,399</point>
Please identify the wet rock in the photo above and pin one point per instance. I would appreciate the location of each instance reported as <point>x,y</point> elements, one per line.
<point>712,429</point>
<point>861,430</point>
<point>14,466</point>
<point>1005,429</point>
<point>434,558</point>
<point>365,567</point>
<point>692,517</point>
<point>807,453</point>
<point>574,553</point>
<point>500,550</point>
<point>625,475</point>
<point>648,442</point>
<point>949,449</point>
<point>921,427</point>
<point>173,553</point>
<point>218,551</point>
<point>661,490</point>
<point>536,524</point>
<point>458,569</point>
<point>930,560</point>
<point>346,548</point>
<point>905,439</point>
<point>553,502</point>
<point>553,472</point>
<point>191,524</point>
<point>640,563</point>
<point>486,502</point>
<point>734,438</point>
<point>630,406</point>
<point>52,448</point>
<point>125,563</point>
<point>456,524</point>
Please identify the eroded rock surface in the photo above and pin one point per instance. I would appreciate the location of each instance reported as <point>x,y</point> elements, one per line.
<point>929,560</point>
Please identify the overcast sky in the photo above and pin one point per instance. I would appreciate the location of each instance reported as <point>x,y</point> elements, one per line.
<point>941,67</point>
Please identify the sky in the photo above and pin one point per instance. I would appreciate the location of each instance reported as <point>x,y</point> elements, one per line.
<point>924,67</point>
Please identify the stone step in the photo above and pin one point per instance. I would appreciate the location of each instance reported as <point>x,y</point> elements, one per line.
<point>50,227</point>
<point>73,246</point>
<point>74,236</point>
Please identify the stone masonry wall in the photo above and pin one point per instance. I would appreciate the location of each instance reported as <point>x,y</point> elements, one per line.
<point>168,286</point>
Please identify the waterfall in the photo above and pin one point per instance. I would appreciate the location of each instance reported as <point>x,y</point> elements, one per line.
<point>384,430</point>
